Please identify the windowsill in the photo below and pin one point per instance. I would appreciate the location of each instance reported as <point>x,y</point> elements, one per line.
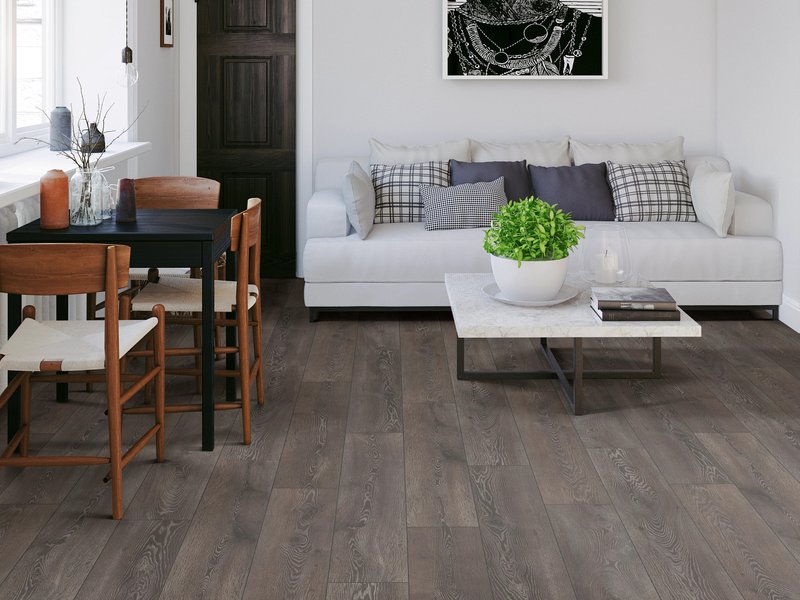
<point>20,173</point>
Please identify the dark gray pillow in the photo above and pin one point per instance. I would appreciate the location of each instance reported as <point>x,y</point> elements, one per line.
<point>581,190</point>
<point>517,184</point>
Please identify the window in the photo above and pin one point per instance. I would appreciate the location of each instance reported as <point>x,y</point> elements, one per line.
<point>27,72</point>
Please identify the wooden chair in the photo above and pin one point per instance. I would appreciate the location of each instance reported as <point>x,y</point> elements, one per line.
<point>242,297</point>
<point>60,351</point>
<point>174,193</point>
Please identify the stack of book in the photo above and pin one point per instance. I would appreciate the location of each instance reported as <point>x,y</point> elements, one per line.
<point>634,304</point>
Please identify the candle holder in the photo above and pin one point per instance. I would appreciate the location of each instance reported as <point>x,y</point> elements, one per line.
<point>606,257</point>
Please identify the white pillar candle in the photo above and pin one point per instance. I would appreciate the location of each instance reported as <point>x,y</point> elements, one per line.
<point>607,267</point>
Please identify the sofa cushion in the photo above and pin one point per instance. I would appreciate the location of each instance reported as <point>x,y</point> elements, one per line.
<point>581,191</point>
<point>627,154</point>
<point>545,154</point>
<point>651,192</point>
<point>397,198</point>
<point>384,154</point>
<point>714,198</point>
<point>662,252</point>
<point>462,206</point>
<point>359,199</point>
<point>517,182</point>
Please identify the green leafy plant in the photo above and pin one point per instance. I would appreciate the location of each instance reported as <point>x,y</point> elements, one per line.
<point>531,229</point>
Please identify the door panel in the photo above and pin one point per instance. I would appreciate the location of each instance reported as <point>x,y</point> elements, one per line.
<point>246,115</point>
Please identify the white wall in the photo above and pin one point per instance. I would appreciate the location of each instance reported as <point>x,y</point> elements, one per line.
<point>758,122</point>
<point>92,40</point>
<point>378,73</point>
<point>157,92</point>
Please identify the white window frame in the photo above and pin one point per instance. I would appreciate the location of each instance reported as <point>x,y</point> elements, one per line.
<point>51,39</point>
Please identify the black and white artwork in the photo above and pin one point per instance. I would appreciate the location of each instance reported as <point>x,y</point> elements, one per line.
<point>534,39</point>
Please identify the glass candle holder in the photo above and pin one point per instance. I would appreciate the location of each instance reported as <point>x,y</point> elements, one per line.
<point>606,257</point>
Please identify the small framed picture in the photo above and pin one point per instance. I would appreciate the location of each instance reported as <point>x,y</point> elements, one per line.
<point>167,23</point>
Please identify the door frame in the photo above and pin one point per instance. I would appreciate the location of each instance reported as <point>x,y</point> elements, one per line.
<point>187,101</point>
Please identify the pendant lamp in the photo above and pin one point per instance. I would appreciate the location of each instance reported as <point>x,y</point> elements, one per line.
<point>128,74</point>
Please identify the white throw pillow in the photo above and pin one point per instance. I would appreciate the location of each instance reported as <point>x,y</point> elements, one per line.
<point>384,154</point>
<point>539,154</point>
<point>627,154</point>
<point>714,198</point>
<point>359,199</point>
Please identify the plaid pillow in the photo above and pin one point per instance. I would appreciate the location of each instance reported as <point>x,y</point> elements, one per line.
<point>397,198</point>
<point>464,206</point>
<point>652,192</point>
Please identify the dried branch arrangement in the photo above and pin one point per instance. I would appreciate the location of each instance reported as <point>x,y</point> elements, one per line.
<point>86,156</point>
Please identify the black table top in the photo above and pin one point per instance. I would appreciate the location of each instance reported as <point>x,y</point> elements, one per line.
<point>188,225</point>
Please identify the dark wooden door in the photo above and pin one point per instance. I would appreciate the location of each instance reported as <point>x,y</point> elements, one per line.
<point>246,114</point>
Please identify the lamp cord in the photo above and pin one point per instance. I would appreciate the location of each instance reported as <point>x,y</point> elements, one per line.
<point>126,23</point>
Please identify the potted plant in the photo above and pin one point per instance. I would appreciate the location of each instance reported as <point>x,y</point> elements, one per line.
<point>529,242</point>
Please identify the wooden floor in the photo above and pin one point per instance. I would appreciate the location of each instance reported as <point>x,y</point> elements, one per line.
<point>375,474</point>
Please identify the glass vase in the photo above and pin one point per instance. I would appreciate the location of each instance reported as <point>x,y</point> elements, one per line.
<point>87,189</point>
<point>606,257</point>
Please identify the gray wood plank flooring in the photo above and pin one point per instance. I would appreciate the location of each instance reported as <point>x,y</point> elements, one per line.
<point>375,474</point>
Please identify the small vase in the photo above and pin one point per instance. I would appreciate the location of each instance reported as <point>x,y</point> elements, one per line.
<point>60,129</point>
<point>93,140</point>
<point>54,200</point>
<point>86,195</point>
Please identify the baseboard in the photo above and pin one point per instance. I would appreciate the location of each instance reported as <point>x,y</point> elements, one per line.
<point>790,312</point>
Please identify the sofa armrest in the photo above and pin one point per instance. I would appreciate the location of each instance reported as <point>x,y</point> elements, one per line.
<point>326,215</point>
<point>751,216</point>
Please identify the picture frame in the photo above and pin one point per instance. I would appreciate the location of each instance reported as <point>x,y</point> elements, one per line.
<point>167,23</point>
<point>532,39</point>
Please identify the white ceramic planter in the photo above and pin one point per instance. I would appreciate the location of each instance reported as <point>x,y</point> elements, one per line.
<point>532,281</point>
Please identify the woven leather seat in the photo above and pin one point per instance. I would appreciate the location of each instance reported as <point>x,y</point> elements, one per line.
<point>185,295</point>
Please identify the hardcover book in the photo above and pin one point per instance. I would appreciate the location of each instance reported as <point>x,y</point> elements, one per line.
<point>632,298</point>
<point>637,315</point>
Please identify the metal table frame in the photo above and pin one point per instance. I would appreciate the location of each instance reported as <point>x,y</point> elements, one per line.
<point>570,381</point>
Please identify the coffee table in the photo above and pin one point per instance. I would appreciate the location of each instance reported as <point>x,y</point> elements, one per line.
<point>478,316</point>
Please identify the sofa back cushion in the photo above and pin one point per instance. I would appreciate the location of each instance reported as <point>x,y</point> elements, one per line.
<point>651,192</point>
<point>397,197</point>
<point>581,191</point>
<point>464,206</point>
<point>385,154</point>
<point>627,154</point>
<point>545,154</point>
<point>515,175</point>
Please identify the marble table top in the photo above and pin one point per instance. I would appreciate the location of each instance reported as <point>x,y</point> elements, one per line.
<point>478,316</point>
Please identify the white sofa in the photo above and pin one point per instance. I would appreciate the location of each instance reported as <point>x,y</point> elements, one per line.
<point>401,265</point>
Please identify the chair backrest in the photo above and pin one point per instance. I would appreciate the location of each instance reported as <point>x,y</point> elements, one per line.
<point>246,242</point>
<point>63,269</point>
<point>176,192</point>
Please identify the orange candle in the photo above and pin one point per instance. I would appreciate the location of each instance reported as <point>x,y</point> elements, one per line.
<point>54,200</point>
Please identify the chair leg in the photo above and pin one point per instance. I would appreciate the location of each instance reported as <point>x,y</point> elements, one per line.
<point>257,352</point>
<point>115,447</point>
<point>244,372</point>
<point>91,315</point>
<point>25,394</point>
<point>160,361</point>
<point>148,366</point>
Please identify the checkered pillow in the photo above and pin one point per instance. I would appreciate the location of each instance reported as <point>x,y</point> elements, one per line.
<point>652,192</point>
<point>397,198</point>
<point>464,206</point>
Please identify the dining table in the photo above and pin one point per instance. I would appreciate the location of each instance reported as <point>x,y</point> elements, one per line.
<point>158,238</point>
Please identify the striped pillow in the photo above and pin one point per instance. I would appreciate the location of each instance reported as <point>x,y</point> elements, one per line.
<point>397,197</point>
<point>652,192</point>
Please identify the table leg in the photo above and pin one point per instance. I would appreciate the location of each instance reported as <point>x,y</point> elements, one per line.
<point>14,319</point>
<point>62,314</point>
<point>208,348</point>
